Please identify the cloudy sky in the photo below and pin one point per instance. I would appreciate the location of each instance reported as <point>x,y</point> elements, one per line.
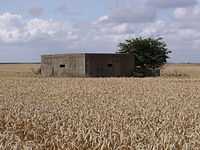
<point>29,28</point>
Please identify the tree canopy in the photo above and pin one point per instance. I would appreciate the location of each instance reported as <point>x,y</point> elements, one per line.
<point>148,52</point>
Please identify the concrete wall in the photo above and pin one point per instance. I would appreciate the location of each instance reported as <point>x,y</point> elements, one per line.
<point>87,65</point>
<point>63,65</point>
<point>109,65</point>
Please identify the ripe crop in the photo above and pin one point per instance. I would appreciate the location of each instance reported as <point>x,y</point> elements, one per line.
<point>99,113</point>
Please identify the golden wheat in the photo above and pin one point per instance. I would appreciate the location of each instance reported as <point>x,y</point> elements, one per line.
<point>99,114</point>
<point>181,70</point>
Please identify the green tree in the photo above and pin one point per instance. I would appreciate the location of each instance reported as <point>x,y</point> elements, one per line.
<point>150,53</point>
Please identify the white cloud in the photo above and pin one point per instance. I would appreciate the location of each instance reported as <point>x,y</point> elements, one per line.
<point>130,15</point>
<point>14,28</point>
<point>38,36</point>
<point>188,17</point>
<point>38,27</point>
<point>102,19</point>
<point>182,40</point>
<point>120,29</point>
<point>10,27</point>
<point>10,21</point>
<point>188,14</point>
<point>180,12</point>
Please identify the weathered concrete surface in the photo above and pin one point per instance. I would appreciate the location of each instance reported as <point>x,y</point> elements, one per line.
<point>87,65</point>
<point>109,65</point>
<point>63,65</point>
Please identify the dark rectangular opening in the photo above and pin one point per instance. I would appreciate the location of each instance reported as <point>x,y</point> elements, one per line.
<point>62,66</point>
<point>110,65</point>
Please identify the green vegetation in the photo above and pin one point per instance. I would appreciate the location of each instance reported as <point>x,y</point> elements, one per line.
<point>150,53</point>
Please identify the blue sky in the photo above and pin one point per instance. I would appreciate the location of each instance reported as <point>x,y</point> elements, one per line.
<point>31,28</point>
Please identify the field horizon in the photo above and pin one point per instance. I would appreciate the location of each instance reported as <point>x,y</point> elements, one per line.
<point>179,70</point>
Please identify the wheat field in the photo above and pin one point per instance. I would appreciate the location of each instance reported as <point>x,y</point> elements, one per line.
<point>99,113</point>
<point>181,70</point>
